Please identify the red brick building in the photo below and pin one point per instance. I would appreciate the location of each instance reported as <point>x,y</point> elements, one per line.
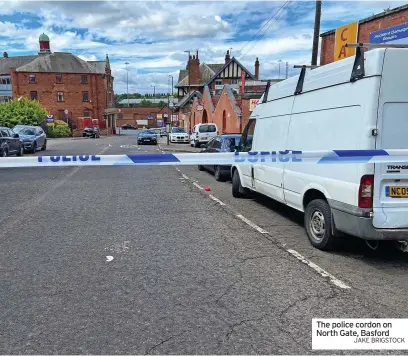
<point>62,81</point>
<point>212,93</point>
<point>366,26</point>
<point>136,115</point>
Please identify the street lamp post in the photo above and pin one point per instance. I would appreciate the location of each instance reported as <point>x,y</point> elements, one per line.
<point>127,82</point>
<point>279,66</point>
<point>154,91</point>
<point>188,93</point>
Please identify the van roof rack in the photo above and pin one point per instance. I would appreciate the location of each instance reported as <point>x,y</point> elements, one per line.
<point>299,85</point>
<point>376,45</point>
<point>268,85</point>
<point>358,71</point>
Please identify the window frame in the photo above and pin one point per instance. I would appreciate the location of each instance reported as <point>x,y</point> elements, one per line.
<point>82,79</point>
<point>30,76</point>
<point>58,94</point>
<point>88,111</point>
<point>87,96</point>
<point>58,75</point>
<point>36,95</point>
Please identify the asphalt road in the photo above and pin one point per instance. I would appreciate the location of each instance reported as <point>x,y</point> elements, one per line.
<point>141,260</point>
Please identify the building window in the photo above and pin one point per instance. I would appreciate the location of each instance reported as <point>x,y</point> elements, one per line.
<point>33,95</point>
<point>218,82</point>
<point>61,114</point>
<point>59,78</point>
<point>234,81</point>
<point>85,96</point>
<point>32,78</point>
<point>87,113</point>
<point>5,81</point>
<point>60,96</point>
<point>84,79</point>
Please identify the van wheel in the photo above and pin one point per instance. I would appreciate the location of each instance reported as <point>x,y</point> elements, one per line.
<point>196,144</point>
<point>238,191</point>
<point>318,224</point>
<point>200,168</point>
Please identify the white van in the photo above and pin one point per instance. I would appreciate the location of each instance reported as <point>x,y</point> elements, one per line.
<point>202,133</point>
<point>359,103</point>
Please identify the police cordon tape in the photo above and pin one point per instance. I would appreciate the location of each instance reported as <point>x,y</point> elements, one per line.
<point>228,158</point>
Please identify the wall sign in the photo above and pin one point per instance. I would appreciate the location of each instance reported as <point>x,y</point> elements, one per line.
<point>395,35</point>
<point>344,35</point>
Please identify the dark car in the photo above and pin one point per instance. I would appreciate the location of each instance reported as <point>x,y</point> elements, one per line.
<point>91,132</point>
<point>32,137</point>
<point>221,143</point>
<point>147,136</point>
<point>10,143</point>
<point>128,127</point>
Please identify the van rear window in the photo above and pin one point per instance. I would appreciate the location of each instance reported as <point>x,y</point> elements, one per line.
<point>207,128</point>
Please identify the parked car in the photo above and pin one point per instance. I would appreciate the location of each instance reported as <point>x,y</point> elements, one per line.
<point>335,107</point>
<point>91,132</point>
<point>10,143</point>
<point>32,137</point>
<point>163,133</point>
<point>128,127</point>
<point>147,137</point>
<point>221,143</point>
<point>178,134</point>
<point>202,133</point>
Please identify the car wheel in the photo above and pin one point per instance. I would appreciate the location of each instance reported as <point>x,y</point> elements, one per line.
<point>317,222</point>
<point>83,135</point>
<point>44,147</point>
<point>238,191</point>
<point>34,149</point>
<point>196,144</point>
<point>4,153</point>
<point>20,151</point>
<point>201,168</point>
<point>217,174</point>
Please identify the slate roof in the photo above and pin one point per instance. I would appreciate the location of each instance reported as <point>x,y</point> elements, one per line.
<point>100,66</point>
<point>9,62</point>
<point>58,62</point>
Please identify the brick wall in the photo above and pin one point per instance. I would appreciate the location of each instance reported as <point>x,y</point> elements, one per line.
<point>130,115</point>
<point>381,21</point>
<point>47,89</point>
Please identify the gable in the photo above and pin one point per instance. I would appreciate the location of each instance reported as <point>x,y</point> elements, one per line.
<point>233,69</point>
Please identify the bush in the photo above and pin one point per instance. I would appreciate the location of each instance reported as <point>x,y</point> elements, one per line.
<point>59,130</point>
<point>22,112</point>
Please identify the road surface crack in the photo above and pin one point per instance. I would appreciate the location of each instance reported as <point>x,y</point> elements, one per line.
<point>240,323</point>
<point>163,342</point>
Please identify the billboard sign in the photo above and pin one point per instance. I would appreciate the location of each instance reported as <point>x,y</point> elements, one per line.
<point>49,119</point>
<point>142,122</point>
<point>159,123</point>
<point>344,35</point>
<point>395,35</point>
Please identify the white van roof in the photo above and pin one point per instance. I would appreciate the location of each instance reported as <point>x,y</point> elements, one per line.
<point>329,74</point>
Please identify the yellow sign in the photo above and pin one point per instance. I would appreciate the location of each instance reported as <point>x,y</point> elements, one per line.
<point>159,117</point>
<point>252,104</point>
<point>345,34</point>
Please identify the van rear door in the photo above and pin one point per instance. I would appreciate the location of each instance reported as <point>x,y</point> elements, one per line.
<point>391,179</point>
<point>390,198</point>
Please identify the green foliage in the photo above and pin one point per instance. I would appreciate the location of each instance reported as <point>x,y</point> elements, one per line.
<point>23,112</point>
<point>60,129</point>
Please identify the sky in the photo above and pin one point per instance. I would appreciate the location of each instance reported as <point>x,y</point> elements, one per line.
<point>153,35</point>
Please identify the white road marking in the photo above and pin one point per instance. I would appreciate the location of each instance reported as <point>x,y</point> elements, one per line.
<point>337,282</point>
<point>250,223</point>
<point>109,258</point>
<point>319,270</point>
<point>198,186</point>
<point>177,169</point>
<point>216,199</point>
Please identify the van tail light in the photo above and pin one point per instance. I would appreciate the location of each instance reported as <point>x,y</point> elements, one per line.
<point>366,191</point>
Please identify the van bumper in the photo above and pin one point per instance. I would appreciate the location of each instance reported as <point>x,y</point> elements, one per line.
<point>357,222</point>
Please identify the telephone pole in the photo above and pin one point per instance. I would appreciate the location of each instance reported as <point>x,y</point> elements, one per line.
<point>316,33</point>
<point>287,69</point>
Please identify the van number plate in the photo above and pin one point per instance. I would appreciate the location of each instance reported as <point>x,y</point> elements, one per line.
<point>396,192</point>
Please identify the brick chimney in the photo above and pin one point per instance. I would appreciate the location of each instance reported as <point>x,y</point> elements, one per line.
<point>227,57</point>
<point>257,69</point>
<point>193,67</point>
<point>5,55</point>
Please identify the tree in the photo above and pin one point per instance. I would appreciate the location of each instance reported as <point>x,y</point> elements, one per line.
<point>22,112</point>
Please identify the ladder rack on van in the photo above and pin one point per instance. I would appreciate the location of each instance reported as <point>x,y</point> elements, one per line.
<point>358,71</point>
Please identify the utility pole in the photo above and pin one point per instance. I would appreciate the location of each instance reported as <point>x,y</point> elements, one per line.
<point>127,82</point>
<point>154,92</point>
<point>279,66</point>
<point>287,69</point>
<point>168,107</point>
<point>316,33</point>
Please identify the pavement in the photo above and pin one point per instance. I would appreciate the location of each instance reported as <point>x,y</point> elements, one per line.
<point>143,260</point>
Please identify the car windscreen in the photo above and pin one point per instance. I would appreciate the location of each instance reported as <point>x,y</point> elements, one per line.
<point>207,128</point>
<point>178,130</point>
<point>148,133</point>
<point>26,131</point>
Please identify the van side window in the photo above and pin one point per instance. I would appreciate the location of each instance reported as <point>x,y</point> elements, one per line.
<point>245,144</point>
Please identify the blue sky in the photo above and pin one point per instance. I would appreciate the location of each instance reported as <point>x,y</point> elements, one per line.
<point>152,35</point>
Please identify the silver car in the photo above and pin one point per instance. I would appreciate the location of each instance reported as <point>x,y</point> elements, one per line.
<point>32,137</point>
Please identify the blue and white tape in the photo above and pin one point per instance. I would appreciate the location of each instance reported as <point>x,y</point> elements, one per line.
<point>229,158</point>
